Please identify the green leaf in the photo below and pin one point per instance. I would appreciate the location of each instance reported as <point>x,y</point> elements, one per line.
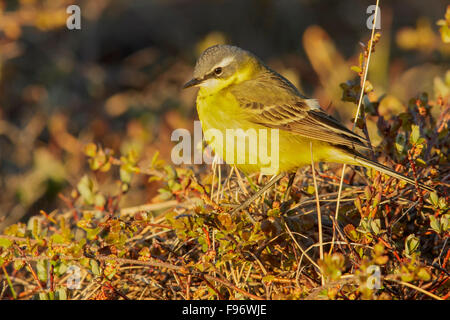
<point>58,238</point>
<point>268,278</point>
<point>444,222</point>
<point>434,224</point>
<point>90,150</point>
<point>61,294</point>
<point>36,227</point>
<point>415,134</point>
<point>95,268</point>
<point>445,33</point>
<point>368,87</point>
<point>423,274</point>
<point>99,200</point>
<point>442,203</point>
<point>411,245</point>
<point>92,233</point>
<point>155,160</point>
<point>420,162</point>
<point>358,204</point>
<point>125,174</point>
<point>51,295</point>
<point>5,243</point>
<point>154,178</point>
<point>375,225</point>
<point>434,199</point>
<point>407,277</point>
<point>61,268</point>
<point>376,200</point>
<point>356,69</point>
<point>43,296</point>
<point>18,264</point>
<point>85,188</point>
<point>42,270</point>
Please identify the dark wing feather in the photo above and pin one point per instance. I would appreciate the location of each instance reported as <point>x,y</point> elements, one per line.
<point>273,102</point>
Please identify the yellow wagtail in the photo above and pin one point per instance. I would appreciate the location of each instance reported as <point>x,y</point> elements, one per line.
<point>238,91</point>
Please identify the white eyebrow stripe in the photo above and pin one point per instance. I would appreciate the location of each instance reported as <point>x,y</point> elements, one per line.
<point>223,63</point>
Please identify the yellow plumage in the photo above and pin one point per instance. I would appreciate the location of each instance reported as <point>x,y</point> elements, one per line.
<point>214,113</point>
<point>239,92</point>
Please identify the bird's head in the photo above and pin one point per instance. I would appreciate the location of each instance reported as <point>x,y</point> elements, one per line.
<point>222,65</point>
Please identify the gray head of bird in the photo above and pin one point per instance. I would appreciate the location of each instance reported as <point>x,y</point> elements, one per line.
<point>222,65</point>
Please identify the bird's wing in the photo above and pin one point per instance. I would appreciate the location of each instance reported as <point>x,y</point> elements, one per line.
<point>272,101</point>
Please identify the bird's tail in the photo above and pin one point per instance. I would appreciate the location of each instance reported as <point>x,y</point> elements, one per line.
<point>379,167</point>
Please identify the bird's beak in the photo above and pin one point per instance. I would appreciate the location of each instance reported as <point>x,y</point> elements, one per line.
<point>192,83</point>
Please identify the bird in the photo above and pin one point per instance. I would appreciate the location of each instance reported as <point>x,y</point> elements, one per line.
<point>238,91</point>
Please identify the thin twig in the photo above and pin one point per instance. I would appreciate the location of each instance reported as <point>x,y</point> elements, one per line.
<point>240,181</point>
<point>232,286</point>
<point>149,207</point>
<point>319,215</point>
<point>406,284</point>
<point>358,110</point>
<point>301,249</point>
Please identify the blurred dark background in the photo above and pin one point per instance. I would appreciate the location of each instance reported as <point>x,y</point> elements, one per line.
<point>117,81</point>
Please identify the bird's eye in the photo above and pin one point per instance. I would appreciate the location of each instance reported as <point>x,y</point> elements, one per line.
<point>218,71</point>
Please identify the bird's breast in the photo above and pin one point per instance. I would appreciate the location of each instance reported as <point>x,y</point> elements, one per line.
<point>220,111</point>
<point>249,146</point>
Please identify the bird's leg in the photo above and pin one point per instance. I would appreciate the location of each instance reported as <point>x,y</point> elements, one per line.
<point>247,202</point>
<point>289,186</point>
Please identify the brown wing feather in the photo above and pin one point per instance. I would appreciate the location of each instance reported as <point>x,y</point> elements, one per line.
<point>274,102</point>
